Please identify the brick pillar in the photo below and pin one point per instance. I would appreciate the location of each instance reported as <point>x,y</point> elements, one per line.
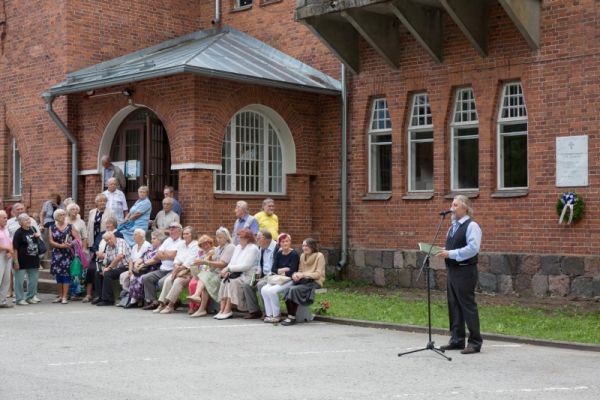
<point>197,200</point>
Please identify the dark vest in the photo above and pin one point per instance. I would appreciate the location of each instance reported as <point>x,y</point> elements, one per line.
<point>458,241</point>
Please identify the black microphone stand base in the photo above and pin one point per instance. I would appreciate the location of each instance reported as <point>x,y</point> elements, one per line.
<point>430,346</point>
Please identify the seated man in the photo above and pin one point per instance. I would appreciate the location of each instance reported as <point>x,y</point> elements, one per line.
<point>116,261</point>
<point>165,217</point>
<point>268,248</point>
<point>166,254</point>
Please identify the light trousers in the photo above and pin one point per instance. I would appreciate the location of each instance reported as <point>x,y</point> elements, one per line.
<point>270,295</point>
<point>5,268</point>
<point>32,283</point>
<point>172,288</point>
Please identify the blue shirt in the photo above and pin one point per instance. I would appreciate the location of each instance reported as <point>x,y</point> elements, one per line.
<point>176,206</point>
<point>239,224</point>
<point>473,241</point>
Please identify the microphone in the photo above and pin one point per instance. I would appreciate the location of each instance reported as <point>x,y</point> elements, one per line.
<point>446,212</point>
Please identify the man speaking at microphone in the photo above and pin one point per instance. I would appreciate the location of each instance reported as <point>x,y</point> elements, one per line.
<point>462,246</point>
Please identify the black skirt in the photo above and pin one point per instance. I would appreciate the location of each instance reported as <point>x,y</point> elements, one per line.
<point>302,294</point>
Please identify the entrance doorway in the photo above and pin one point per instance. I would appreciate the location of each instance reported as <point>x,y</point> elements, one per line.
<point>141,148</point>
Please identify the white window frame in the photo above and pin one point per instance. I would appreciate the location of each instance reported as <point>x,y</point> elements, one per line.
<point>514,120</point>
<point>266,123</point>
<point>378,132</point>
<point>454,127</point>
<point>236,4</point>
<point>412,128</point>
<point>17,187</point>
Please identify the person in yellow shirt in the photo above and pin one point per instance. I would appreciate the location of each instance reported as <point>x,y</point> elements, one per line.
<point>267,219</point>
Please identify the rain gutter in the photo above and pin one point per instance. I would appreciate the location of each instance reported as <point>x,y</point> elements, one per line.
<point>344,174</point>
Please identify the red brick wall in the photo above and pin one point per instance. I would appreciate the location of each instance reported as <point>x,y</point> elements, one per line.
<point>561,84</point>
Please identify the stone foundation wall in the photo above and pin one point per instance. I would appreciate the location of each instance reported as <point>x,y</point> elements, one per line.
<point>502,273</point>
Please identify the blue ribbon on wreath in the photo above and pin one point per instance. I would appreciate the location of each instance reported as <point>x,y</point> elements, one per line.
<point>568,199</point>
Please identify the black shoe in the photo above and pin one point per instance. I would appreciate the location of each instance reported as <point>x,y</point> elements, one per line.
<point>288,321</point>
<point>452,346</point>
<point>470,350</point>
<point>131,305</point>
<point>95,300</point>
<point>104,303</point>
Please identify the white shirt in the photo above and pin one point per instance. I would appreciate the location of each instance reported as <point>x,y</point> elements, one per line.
<point>169,245</point>
<point>187,254</point>
<point>117,203</point>
<point>137,254</point>
<point>13,224</point>
<point>245,260</point>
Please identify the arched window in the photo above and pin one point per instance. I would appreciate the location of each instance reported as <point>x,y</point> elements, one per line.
<point>252,156</point>
<point>420,144</point>
<point>380,148</point>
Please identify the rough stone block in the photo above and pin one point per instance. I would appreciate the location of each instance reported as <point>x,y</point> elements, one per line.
<point>359,258</point>
<point>505,284</point>
<point>420,283</point>
<point>392,277</point>
<point>378,277</point>
<point>441,279</point>
<point>522,284</point>
<point>483,265</point>
<point>373,258</point>
<point>410,259</point>
<point>530,265</point>
<point>333,256</point>
<point>592,266</point>
<point>539,285</point>
<point>437,263</point>
<point>405,277</point>
<point>398,259</point>
<point>487,282</point>
<point>353,272</point>
<point>420,259</point>
<point>559,285</point>
<point>513,263</point>
<point>387,259</point>
<point>550,265</point>
<point>573,266</point>
<point>498,265</point>
<point>582,287</point>
<point>596,287</point>
<point>366,275</point>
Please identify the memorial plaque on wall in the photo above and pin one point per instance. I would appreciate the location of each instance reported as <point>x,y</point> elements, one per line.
<point>572,161</point>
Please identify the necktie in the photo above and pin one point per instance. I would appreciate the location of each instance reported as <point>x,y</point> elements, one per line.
<point>455,226</point>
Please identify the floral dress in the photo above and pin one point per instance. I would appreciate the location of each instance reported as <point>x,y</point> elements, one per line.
<point>136,286</point>
<point>61,258</point>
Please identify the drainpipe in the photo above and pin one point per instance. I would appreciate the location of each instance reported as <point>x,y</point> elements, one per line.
<point>49,99</point>
<point>217,19</point>
<point>344,175</point>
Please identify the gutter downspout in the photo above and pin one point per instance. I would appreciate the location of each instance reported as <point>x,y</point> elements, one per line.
<point>217,20</point>
<point>344,174</point>
<point>49,99</point>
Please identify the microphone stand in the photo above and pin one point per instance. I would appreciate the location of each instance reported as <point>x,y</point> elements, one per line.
<point>425,267</point>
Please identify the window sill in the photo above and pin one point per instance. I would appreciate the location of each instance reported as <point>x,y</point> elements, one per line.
<point>507,193</point>
<point>268,2</point>
<point>377,196</point>
<point>245,196</point>
<point>10,199</point>
<point>418,196</point>
<point>239,9</point>
<point>471,194</point>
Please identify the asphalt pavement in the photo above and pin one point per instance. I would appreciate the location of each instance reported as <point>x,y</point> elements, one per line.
<point>78,351</point>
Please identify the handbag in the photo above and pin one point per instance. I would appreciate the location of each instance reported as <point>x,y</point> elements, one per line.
<point>40,245</point>
<point>278,279</point>
<point>76,267</point>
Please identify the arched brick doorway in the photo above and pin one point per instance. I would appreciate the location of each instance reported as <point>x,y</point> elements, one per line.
<point>141,148</point>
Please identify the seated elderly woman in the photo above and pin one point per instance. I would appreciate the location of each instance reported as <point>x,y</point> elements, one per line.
<point>146,263</point>
<point>209,279</point>
<point>139,248</point>
<point>310,276</point>
<point>285,264</point>
<point>245,260</point>
<point>181,274</point>
<point>206,252</point>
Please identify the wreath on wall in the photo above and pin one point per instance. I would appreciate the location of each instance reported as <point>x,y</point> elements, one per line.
<point>570,207</point>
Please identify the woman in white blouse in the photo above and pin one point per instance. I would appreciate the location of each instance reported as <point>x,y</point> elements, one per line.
<point>78,224</point>
<point>181,275</point>
<point>139,248</point>
<point>239,271</point>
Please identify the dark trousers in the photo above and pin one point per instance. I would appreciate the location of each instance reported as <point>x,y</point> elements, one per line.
<point>104,283</point>
<point>462,307</point>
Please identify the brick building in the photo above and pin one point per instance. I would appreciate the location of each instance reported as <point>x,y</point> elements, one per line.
<point>444,96</point>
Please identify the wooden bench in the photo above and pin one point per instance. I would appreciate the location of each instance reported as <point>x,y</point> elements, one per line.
<point>303,313</point>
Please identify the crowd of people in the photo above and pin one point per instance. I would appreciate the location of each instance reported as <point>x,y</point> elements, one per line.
<point>121,257</point>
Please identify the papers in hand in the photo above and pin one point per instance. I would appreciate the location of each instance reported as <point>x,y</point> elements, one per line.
<point>424,247</point>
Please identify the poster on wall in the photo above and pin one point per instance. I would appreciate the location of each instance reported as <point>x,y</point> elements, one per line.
<point>572,161</point>
<point>132,170</point>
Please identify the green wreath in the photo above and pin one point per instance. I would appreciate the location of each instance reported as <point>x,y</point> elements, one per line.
<point>578,207</point>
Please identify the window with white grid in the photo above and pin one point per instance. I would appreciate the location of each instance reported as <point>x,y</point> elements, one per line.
<point>465,141</point>
<point>251,156</point>
<point>512,138</point>
<point>420,145</point>
<point>380,148</point>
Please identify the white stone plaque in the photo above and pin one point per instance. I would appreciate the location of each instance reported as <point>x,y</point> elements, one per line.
<point>572,161</point>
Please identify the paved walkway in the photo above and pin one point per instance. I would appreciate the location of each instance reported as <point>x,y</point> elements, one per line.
<point>78,351</point>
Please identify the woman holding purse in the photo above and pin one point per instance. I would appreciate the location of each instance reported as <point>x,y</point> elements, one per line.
<point>146,263</point>
<point>285,264</point>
